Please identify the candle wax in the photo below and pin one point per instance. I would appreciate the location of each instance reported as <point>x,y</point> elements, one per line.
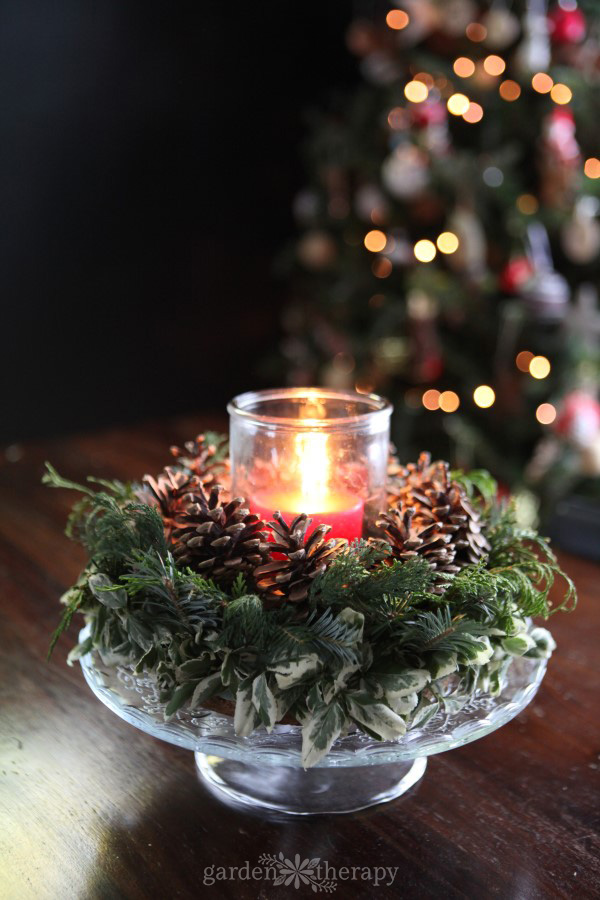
<point>344,512</point>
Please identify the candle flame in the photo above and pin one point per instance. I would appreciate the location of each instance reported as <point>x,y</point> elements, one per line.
<point>313,465</point>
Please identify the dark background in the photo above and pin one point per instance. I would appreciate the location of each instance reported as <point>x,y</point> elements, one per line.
<point>149,155</point>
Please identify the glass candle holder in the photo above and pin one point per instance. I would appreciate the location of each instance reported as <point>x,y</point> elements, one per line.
<point>312,450</point>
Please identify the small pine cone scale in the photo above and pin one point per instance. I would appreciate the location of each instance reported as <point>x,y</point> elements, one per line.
<point>218,540</point>
<point>299,559</point>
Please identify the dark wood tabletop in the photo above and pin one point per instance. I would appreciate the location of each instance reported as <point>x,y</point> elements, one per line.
<point>92,808</point>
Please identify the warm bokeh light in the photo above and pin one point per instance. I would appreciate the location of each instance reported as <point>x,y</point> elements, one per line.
<point>476,32</point>
<point>474,113</point>
<point>542,83</point>
<point>397,19</point>
<point>539,367</point>
<point>424,250</point>
<point>447,242</point>
<point>449,401</point>
<point>431,399</point>
<point>592,167</point>
<point>523,359</point>
<point>458,104</point>
<point>463,66</point>
<point>494,65</point>
<point>364,387</point>
<point>484,396</point>
<point>426,78</point>
<point>381,267</point>
<point>509,90</point>
<point>561,94</point>
<point>527,204</point>
<point>416,91</point>
<point>545,414</point>
<point>375,241</point>
<point>397,118</point>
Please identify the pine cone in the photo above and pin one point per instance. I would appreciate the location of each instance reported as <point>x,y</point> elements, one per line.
<point>289,578</point>
<point>409,539</point>
<point>167,492</point>
<point>218,540</point>
<point>207,461</point>
<point>429,489</point>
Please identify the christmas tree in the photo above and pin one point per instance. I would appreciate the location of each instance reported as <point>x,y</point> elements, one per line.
<point>450,240</point>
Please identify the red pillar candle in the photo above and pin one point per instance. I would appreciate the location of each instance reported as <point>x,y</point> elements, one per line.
<point>340,510</point>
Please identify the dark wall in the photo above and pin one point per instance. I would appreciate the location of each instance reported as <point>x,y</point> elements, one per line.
<point>149,153</point>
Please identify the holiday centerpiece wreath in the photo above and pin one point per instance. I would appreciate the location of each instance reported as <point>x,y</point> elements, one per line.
<point>275,623</point>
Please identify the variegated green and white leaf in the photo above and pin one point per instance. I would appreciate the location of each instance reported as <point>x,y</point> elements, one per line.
<point>205,689</point>
<point>319,732</point>
<point>481,651</point>
<point>401,684</point>
<point>403,705</point>
<point>264,701</point>
<point>245,717</point>
<point>105,592</point>
<point>518,644</point>
<point>545,644</point>
<point>423,713</point>
<point>377,717</point>
<point>442,663</point>
<point>353,618</point>
<point>290,673</point>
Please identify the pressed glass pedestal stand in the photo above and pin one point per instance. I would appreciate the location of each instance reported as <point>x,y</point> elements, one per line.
<point>264,770</point>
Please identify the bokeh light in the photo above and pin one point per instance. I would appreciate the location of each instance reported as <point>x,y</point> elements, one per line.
<point>458,104</point>
<point>494,65</point>
<point>545,414</point>
<point>509,90</point>
<point>376,301</point>
<point>447,242</point>
<point>523,359</point>
<point>561,94</point>
<point>425,250</point>
<point>542,83</point>
<point>416,91</point>
<point>397,118</point>
<point>375,241</point>
<point>474,113</point>
<point>463,67</point>
<point>592,167</point>
<point>382,267</point>
<point>493,176</point>
<point>449,401</point>
<point>539,367</point>
<point>431,399</point>
<point>476,32</point>
<point>397,19</point>
<point>527,204</point>
<point>484,396</point>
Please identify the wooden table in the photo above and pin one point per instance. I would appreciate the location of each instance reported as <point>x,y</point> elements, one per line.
<point>90,807</point>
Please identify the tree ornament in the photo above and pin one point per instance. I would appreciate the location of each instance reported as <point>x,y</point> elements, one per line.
<point>546,293</point>
<point>566,26</point>
<point>436,498</point>
<point>503,28</point>
<point>317,250</point>
<point>560,158</point>
<point>580,236</point>
<point>515,274</point>
<point>578,419</point>
<point>455,15</point>
<point>218,540</point>
<point>405,172</point>
<point>533,53</point>
<point>426,362</point>
<point>289,577</point>
<point>370,204</point>
<point>470,257</point>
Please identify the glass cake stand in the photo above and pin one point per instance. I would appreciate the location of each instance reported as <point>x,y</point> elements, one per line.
<point>264,770</point>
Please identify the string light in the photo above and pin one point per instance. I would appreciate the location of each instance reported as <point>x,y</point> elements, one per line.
<point>509,90</point>
<point>426,78</point>
<point>527,204</point>
<point>476,32</point>
<point>539,367</point>
<point>447,242</point>
<point>424,251</point>
<point>463,67</point>
<point>381,267</point>
<point>493,176</point>
<point>397,118</point>
<point>592,167</point>
<point>561,94</point>
<point>545,414</point>
<point>375,241</point>
<point>473,114</point>
<point>542,83</point>
<point>484,396</point>
<point>431,399</point>
<point>416,91</point>
<point>494,65</point>
<point>523,359</point>
<point>449,401</point>
<point>397,19</point>
<point>458,104</point>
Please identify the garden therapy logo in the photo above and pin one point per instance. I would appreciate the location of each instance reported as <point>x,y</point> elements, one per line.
<point>317,874</point>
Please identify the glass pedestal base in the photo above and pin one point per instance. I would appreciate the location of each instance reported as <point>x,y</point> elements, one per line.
<point>292,790</point>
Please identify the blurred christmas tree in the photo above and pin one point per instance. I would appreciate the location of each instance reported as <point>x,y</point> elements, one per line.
<point>450,236</point>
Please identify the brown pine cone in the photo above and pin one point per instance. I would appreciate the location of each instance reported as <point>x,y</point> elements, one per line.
<point>218,540</point>
<point>207,461</point>
<point>289,578</point>
<point>167,492</point>
<point>408,539</point>
<point>428,488</point>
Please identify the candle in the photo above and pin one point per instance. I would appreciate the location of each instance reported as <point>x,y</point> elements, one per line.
<point>315,492</point>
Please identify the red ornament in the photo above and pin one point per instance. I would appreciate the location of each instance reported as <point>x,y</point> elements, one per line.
<point>567,26</point>
<point>579,418</point>
<point>431,112</point>
<point>515,274</point>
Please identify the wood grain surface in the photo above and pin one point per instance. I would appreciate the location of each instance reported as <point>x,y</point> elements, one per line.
<point>92,808</point>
